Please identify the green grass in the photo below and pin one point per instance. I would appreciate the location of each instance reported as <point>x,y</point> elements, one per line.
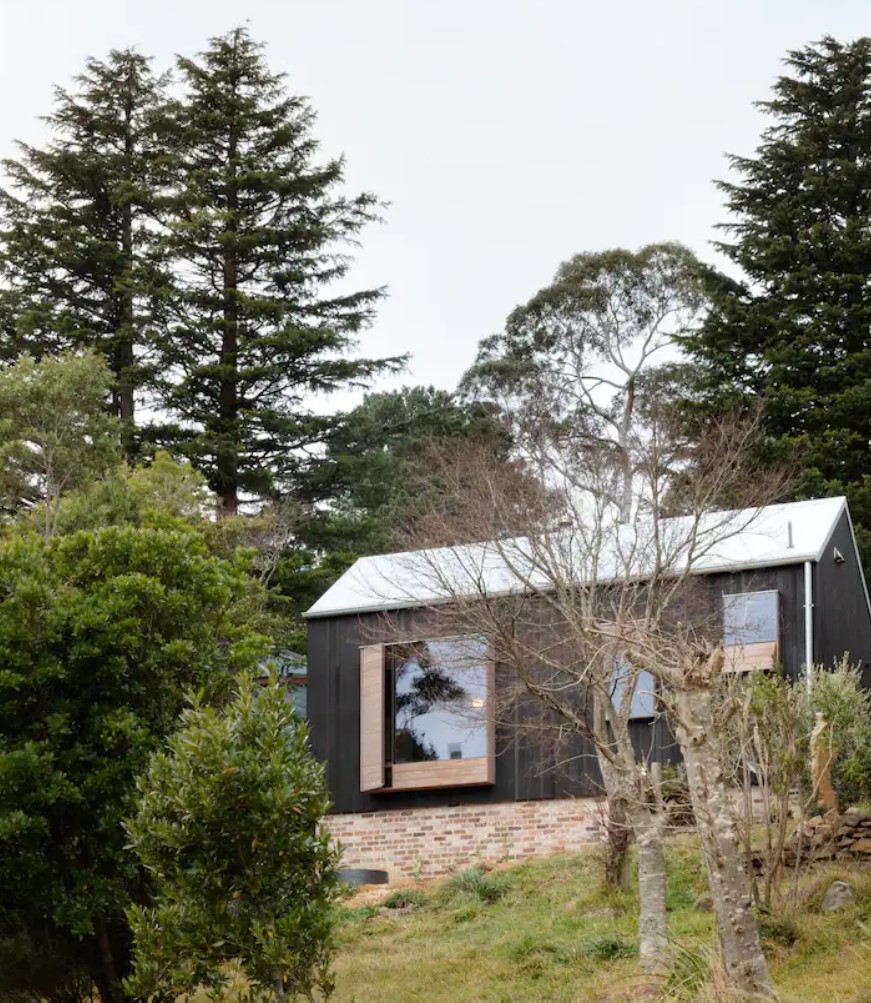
<point>405,898</point>
<point>544,930</point>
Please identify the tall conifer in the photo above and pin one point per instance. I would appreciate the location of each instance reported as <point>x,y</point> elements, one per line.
<point>793,332</point>
<point>258,241</point>
<point>78,253</point>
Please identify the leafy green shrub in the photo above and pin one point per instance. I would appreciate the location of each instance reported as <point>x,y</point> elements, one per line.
<point>228,827</point>
<point>404,898</point>
<point>472,881</point>
<point>101,634</point>
<point>846,706</point>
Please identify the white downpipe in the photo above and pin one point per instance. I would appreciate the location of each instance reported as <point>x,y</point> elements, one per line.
<point>809,623</point>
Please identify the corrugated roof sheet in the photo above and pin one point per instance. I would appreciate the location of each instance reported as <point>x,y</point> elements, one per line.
<point>728,541</point>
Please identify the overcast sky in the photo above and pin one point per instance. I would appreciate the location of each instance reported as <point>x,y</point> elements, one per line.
<point>506,134</point>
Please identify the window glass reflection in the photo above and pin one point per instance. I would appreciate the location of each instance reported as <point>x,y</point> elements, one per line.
<point>750,618</point>
<point>439,699</point>
<point>643,701</point>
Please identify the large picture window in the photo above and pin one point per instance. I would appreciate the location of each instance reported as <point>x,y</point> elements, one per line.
<point>426,714</point>
<point>440,699</point>
<point>751,630</point>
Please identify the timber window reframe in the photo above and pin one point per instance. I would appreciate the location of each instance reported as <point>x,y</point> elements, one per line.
<point>389,759</point>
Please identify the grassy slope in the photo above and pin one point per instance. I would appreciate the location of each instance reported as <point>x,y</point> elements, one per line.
<point>553,935</point>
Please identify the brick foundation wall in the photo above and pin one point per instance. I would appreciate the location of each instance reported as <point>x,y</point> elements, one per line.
<point>428,842</point>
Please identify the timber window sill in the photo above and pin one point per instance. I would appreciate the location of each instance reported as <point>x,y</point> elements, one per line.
<point>476,772</point>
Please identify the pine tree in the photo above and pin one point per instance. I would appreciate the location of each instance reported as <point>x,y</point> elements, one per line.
<point>78,254</point>
<point>258,239</point>
<point>793,333</point>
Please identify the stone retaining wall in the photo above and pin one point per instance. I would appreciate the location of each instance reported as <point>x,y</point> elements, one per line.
<point>429,842</point>
<point>818,839</point>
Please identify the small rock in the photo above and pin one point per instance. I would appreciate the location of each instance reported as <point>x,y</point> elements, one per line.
<point>861,846</point>
<point>839,896</point>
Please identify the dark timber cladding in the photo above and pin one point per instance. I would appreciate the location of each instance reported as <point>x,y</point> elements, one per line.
<point>842,623</point>
<point>525,769</point>
<point>528,769</point>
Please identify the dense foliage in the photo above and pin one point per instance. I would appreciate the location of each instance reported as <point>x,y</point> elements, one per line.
<point>791,333</point>
<point>615,310</point>
<point>54,435</point>
<point>200,244</point>
<point>79,254</point>
<point>846,707</point>
<point>227,827</point>
<point>101,634</point>
<point>256,233</point>
<point>367,484</point>
<point>579,362</point>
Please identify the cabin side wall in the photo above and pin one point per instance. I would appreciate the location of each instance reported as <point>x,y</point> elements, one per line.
<point>525,769</point>
<point>842,622</point>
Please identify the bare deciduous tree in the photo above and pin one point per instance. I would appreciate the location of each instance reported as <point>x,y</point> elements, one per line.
<point>586,353</point>
<point>570,592</point>
<point>580,363</point>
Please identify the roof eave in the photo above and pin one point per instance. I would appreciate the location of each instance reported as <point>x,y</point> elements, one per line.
<point>386,607</point>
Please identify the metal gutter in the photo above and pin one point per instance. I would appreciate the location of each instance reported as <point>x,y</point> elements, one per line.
<point>809,623</point>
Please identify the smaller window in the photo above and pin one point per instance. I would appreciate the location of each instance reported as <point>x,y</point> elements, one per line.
<point>643,704</point>
<point>750,618</point>
<point>292,674</point>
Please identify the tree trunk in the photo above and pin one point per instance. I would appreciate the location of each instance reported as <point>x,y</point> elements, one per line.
<point>619,831</point>
<point>125,359</point>
<point>109,984</point>
<point>623,475</point>
<point>649,826</point>
<point>227,449</point>
<point>743,958</point>
<point>227,458</point>
<point>629,789</point>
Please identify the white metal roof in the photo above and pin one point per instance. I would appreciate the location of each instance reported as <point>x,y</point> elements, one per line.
<point>751,538</point>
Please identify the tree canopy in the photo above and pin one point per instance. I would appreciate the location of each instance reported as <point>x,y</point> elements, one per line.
<point>579,359</point>
<point>101,634</point>
<point>79,252</point>
<point>258,237</point>
<point>196,238</point>
<point>366,484</point>
<point>55,436</point>
<point>791,333</point>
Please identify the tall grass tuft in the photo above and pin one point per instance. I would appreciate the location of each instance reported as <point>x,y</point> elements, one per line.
<point>474,883</point>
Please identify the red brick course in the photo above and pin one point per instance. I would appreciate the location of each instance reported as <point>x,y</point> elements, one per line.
<point>428,842</point>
